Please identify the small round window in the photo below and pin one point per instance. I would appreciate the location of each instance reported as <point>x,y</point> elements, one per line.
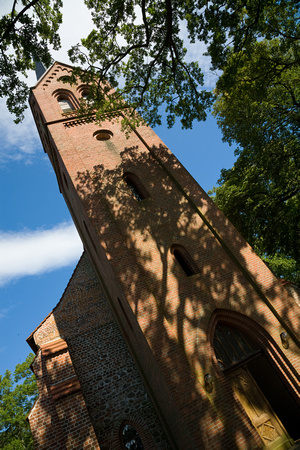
<point>103,135</point>
<point>131,438</point>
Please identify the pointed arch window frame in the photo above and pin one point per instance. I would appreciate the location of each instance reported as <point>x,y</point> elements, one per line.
<point>185,260</point>
<point>135,436</point>
<point>137,188</point>
<point>266,343</point>
<point>236,349</point>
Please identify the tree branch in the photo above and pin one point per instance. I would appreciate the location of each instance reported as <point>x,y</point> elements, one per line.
<point>15,20</point>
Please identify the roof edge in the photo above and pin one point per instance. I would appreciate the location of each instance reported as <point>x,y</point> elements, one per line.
<point>30,340</point>
<point>47,71</point>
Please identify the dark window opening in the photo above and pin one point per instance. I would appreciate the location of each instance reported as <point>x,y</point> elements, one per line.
<point>185,261</point>
<point>231,346</point>
<point>131,438</point>
<point>87,97</point>
<point>136,187</point>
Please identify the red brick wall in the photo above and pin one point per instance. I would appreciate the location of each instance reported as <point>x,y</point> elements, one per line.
<point>110,384</point>
<point>61,421</point>
<point>164,315</point>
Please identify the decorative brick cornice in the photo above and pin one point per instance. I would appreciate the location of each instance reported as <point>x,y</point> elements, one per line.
<point>65,387</point>
<point>56,71</point>
<point>79,121</point>
<point>54,347</point>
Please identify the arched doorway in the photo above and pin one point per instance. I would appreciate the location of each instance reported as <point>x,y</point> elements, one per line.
<point>269,405</point>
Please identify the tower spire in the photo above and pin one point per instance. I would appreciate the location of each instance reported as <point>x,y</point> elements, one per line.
<point>40,69</point>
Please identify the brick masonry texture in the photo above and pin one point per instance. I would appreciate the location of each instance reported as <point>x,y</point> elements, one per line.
<point>133,314</point>
<point>95,351</point>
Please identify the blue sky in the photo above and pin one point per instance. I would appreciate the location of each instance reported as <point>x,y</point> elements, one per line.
<point>39,246</point>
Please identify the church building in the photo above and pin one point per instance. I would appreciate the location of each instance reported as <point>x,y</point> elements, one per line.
<point>172,333</point>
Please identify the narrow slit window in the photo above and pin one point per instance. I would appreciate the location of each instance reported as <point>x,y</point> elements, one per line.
<point>136,187</point>
<point>185,261</point>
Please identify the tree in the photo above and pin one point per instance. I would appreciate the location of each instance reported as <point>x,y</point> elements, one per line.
<point>17,394</point>
<point>148,55</point>
<point>25,36</point>
<point>137,48</point>
<point>261,193</point>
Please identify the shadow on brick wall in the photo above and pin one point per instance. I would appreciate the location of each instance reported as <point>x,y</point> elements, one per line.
<point>178,313</point>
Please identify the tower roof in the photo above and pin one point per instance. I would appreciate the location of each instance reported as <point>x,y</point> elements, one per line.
<point>40,69</point>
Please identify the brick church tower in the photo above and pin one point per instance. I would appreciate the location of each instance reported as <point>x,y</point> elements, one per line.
<point>171,333</point>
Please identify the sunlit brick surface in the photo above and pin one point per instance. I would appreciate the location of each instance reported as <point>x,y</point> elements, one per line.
<point>165,318</point>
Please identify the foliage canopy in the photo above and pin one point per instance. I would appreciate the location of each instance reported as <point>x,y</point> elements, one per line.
<point>138,47</point>
<point>258,107</point>
<point>25,35</point>
<point>17,394</point>
<point>141,43</point>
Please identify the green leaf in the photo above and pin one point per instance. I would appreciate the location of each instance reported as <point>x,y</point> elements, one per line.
<point>17,395</point>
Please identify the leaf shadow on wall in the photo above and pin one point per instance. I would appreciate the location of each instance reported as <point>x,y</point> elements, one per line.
<point>173,310</point>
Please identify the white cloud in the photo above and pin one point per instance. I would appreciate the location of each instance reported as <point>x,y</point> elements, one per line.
<point>3,313</point>
<point>21,142</point>
<point>36,252</point>
<point>69,31</point>
<point>18,142</point>
<point>196,52</point>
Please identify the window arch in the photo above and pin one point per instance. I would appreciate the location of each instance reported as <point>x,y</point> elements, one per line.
<point>184,259</point>
<point>232,346</point>
<point>130,438</point>
<point>85,96</point>
<point>65,104</point>
<point>136,187</point>
<point>85,91</point>
<point>132,432</point>
<point>66,100</point>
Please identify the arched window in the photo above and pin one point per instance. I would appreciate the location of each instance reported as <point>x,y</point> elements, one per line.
<point>131,439</point>
<point>86,96</point>
<point>65,104</point>
<point>185,260</point>
<point>232,346</point>
<point>66,100</point>
<point>84,90</point>
<point>261,392</point>
<point>136,187</point>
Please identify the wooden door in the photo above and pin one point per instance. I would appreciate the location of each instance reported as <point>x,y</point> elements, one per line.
<point>263,418</point>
